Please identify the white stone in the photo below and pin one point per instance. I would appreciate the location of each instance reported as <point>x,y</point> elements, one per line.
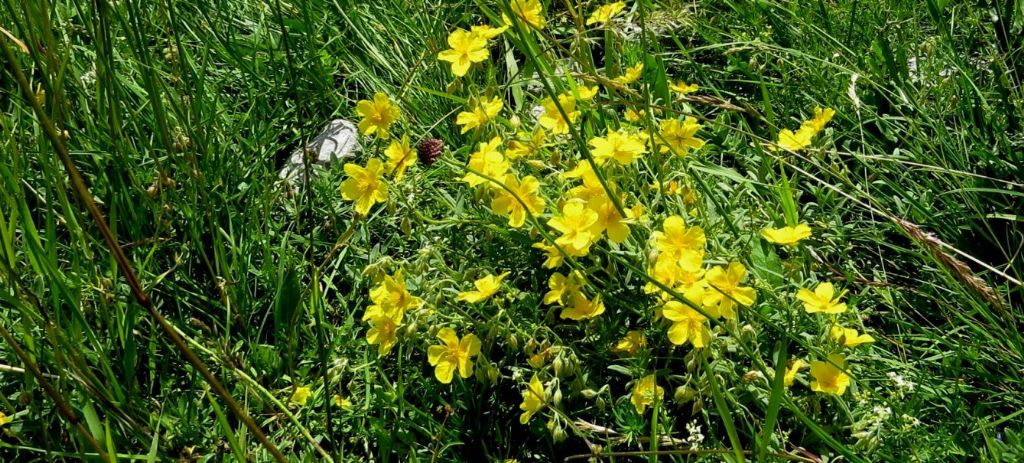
<point>338,140</point>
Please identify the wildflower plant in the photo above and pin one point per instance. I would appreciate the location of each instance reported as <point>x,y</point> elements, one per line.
<point>662,286</point>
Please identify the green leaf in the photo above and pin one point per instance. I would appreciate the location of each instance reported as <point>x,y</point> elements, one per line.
<point>723,411</point>
<point>766,264</point>
<point>787,199</point>
<point>775,400</point>
<point>286,301</point>
<point>654,72</point>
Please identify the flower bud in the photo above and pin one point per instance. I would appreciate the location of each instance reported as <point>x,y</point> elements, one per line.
<point>684,394</point>
<point>558,434</point>
<point>752,375</point>
<point>558,366</point>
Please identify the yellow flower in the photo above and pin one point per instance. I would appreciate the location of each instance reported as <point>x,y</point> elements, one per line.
<point>480,113</point>
<point>400,156</point>
<point>583,308</point>
<point>488,32</point>
<point>534,398</point>
<point>364,185</point>
<point>666,270</point>
<point>591,187</point>
<point>796,141</point>
<point>793,141</point>
<point>485,288</point>
<point>453,354</point>
<point>383,330</point>
<point>575,224</point>
<point>631,343</point>
<point>393,295</point>
<point>645,392</point>
<point>821,118</point>
<point>466,48</point>
<point>608,219</point>
<point>537,360</point>
<point>688,325</point>
<point>828,376</point>
<point>527,145</point>
<point>587,93</point>
<point>631,115</point>
<point>631,74</point>
<point>4,419</point>
<point>378,115</point>
<point>552,119</point>
<point>554,256</point>
<point>300,396</point>
<point>823,299</point>
<point>682,244</point>
<point>683,88</point>
<point>563,288</point>
<point>342,402</point>
<point>671,188</point>
<point>527,10</point>
<point>724,290</point>
<point>605,13</point>
<point>791,372</point>
<point>849,337</point>
<point>620,146</point>
<point>680,135</point>
<point>787,236</point>
<point>504,203</point>
<point>487,160</point>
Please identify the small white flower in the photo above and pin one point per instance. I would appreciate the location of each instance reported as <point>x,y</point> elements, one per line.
<point>910,421</point>
<point>695,438</point>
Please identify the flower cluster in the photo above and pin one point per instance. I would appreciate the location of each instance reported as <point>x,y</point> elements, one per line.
<point>796,141</point>
<point>604,193</point>
<point>391,301</point>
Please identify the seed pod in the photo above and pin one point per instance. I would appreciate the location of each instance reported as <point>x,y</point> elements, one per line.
<point>429,150</point>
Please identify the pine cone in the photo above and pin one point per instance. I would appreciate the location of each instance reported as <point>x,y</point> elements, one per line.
<point>429,150</point>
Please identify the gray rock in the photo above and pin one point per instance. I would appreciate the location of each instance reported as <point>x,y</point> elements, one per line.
<point>338,140</point>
